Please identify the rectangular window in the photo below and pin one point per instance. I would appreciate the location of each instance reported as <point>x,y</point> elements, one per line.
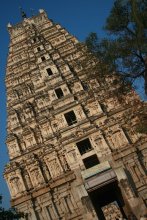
<point>84,146</point>
<point>70,118</point>
<point>43,58</point>
<point>49,71</point>
<point>91,161</point>
<point>59,93</point>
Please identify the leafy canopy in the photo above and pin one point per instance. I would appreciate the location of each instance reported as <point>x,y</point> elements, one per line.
<point>9,214</point>
<point>125,50</point>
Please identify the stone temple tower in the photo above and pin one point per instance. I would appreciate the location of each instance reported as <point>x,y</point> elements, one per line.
<point>72,153</point>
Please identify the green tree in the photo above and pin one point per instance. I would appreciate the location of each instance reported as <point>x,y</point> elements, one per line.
<point>125,50</point>
<point>9,214</point>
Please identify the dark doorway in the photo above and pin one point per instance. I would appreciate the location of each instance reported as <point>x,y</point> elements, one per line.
<point>105,196</point>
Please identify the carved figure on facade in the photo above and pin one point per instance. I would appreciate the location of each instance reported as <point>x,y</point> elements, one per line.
<point>45,130</point>
<point>117,139</point>
<point>27,178</point>
<point>46,172</point>
<point>13,120</point>
<point>79,132</point>
<point>72,156</point>
<point>101,145</point>
<point>29,137</point>
<point>54,168</point>
<point>13,145</point>
<point>36,176</point>
<point>28,110</point>
<point>64,162</point>
<point>16,185</point>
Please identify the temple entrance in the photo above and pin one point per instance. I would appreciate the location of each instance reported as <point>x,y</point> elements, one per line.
<point>108,202</point>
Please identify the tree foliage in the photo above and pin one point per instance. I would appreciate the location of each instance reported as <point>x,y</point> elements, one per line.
<point>125,50</point>
<point>9,214</point>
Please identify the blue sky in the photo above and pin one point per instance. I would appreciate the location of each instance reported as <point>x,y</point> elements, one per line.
<point>79,17</point>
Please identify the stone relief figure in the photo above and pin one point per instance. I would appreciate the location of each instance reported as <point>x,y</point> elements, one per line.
<point>28,181</point>
<point>118,139</point>
<point>64,162</point>
<point>55,168</point>
<point>121,138</point>
<point>36,177</point>
<point>13,150</point>
<point>16,186</point>
<point>101,144</point>
<point>72,156</point>
<point>28,111</point>
<point>46,172</point>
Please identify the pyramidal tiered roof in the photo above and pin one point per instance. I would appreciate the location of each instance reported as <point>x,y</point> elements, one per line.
<point>72,154</point>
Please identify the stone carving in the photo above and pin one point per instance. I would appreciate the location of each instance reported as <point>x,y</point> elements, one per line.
<point>36,176</point>
<point>28,111</point>
<point>16,185</point>
<point>28,180</point>
<point>13,145</point>
<point>55,168</point>
<point>64,163</point>
<point>72,156</point>
<point>29,137</point>
<point>112,211</point>
<point>118,139</point>
<point>46,172</point>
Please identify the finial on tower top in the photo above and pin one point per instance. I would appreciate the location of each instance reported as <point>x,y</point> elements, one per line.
<point>9,25</point>
<point>41,10</point>
<point>23,14</point>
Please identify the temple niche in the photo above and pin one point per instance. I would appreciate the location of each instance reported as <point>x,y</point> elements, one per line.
<point>46,172</point>
<point>133,135</point>
<point>27,180</point>
<point>58,122</point>
<point>13,146</point>
<point>64,162</point>
<point>101,146</point>
<point>112,103</point>
<point>41,102</point>
<point>13,120</point>
<point>72,157</point>
<point>94,108</point>
<point>28,111</point>
<point>29,139</point>
<point>53,165</point>
<point>117,139</point>
<point>77,87</point>
<point>45,129</point>
<point>16,184</point>
<point>35,174</point>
